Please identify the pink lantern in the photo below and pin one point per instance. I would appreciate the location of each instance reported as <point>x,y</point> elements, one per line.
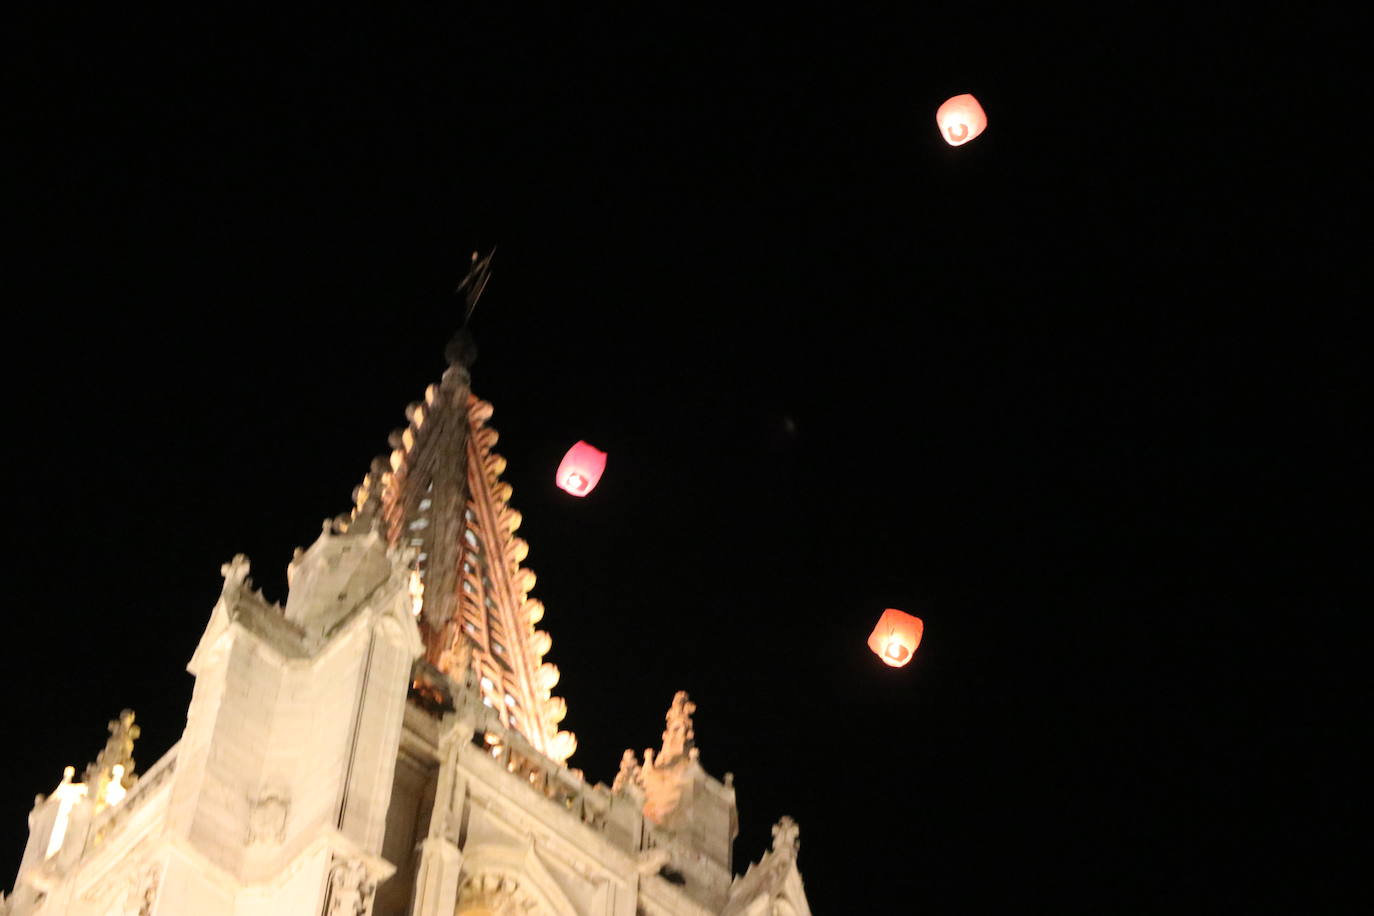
<point>896,637</point>
<point>961,119</point>
<point>580,469</point>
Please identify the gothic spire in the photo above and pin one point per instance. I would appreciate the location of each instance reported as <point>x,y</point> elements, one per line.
<point>439,494</point>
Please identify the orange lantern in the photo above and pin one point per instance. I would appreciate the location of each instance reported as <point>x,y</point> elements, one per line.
<point>580,469</point>
<point>896,637</point>
<point>961,119</point>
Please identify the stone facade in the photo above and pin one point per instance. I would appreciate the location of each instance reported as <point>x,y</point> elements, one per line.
<point>388,743</point>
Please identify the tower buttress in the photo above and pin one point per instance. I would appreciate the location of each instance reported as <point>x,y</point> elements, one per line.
<point>284,770</point>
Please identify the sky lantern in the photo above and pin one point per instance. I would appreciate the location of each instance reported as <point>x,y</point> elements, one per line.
<point>961,119</point>
<point>580,469</point>
<point>896,637</point>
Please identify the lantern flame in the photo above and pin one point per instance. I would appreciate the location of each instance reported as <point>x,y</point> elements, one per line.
<point>961,119</point>
<point>580,469</point>
<point>895,638</point>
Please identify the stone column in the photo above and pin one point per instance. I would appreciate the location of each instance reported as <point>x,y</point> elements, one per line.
<point>436,879</point>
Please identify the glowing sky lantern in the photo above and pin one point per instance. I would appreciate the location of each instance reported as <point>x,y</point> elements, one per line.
<point>896,637</point>
<point>961,119</point>
<point>580,469</point>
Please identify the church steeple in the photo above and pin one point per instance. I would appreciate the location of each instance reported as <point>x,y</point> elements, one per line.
<point>418,498</point>
<point>440,494</point>
<point>386,741</point>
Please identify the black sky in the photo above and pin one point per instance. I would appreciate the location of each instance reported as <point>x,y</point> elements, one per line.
<point>1078,393</point>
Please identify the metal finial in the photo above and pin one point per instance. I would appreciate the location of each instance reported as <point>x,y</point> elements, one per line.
<point>473,285</point>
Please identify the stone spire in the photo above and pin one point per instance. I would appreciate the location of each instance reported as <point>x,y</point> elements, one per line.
<point>418,496</point>
<point>439,494</point>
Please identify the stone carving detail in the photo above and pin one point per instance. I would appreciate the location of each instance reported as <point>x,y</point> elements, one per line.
<point>267,820</point>
<point>456,656</point>
<point>115,762</point>
<point>768,877</point>
<point>629,772</point>
<point>235,573</point>
<point>786,837</point>
<point>498,895</point>
<point>147,896</point>
<point>666,775</point>
<point>350,889</point>
<point>679,737</point>
<point>548,676</point>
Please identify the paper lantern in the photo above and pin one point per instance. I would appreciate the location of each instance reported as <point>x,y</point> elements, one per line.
<point>580,469</point>
<point>961,119</point>
<point>896,637</point>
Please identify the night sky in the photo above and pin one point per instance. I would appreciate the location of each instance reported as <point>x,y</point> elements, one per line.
<point>1079,394</point>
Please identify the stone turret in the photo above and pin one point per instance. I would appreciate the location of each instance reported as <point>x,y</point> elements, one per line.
<point>284,771</point>
<point>691,815</point>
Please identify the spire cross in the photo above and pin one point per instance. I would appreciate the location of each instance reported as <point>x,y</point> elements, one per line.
<point>461,350</point>
<point>473,285</point>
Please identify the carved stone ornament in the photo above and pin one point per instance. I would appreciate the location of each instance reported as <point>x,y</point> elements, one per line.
<point>350,889</point>
<point>114,763</point>
<point>680,735</point>
<point>235,572</point>
<point>267,821</point>
<point>629,772</point>
<point>147,895</point>
<point>786,837</point>
<point>497,895</point>
<point>666,775</point>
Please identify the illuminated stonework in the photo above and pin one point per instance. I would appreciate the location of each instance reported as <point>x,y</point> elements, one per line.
<point>494,895</point>
<point>387,741</point>
<point>440,494</point>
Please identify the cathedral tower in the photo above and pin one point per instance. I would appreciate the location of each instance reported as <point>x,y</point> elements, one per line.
<point>388,742</point>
